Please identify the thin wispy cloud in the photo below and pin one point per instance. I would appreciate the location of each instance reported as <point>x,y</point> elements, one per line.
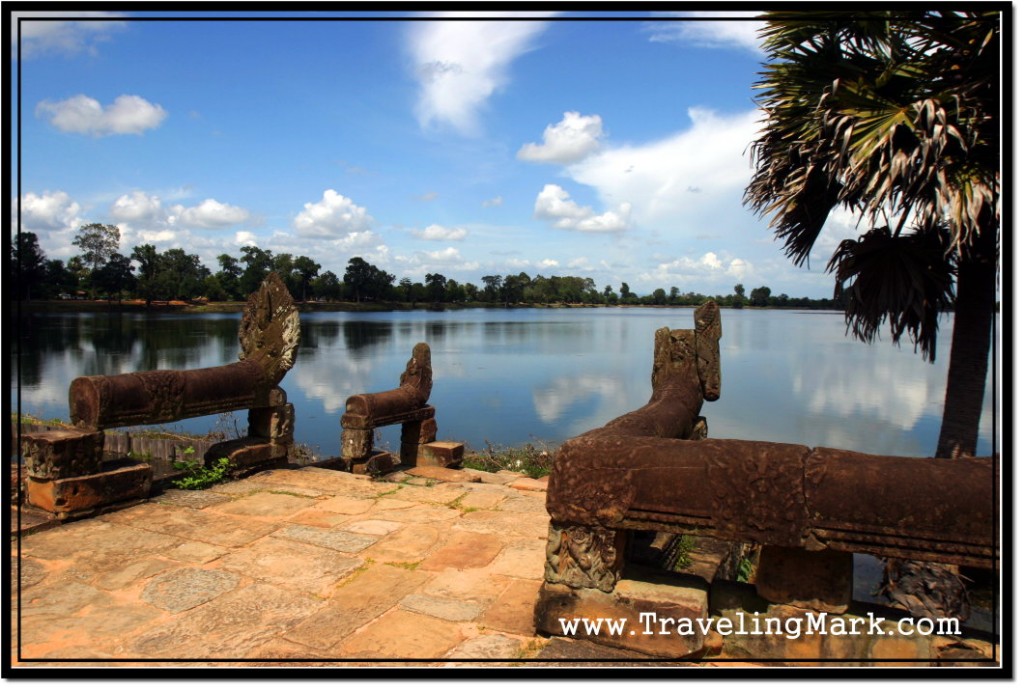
<point>711,29</point>
<point>460,64</point>
<point>47,33</point>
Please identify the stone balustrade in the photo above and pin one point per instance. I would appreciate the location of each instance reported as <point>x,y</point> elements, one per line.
<point>67,472</point>
<point>405,405</point>
<point>809,509</point>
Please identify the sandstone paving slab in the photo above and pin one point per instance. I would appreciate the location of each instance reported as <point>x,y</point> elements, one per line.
<point>440,494</point>
<point>28,571</point>
<point>505,523</point>
<point>248,486</point>
<point>195,499</point>
<point>374,527</point>
<point>265,505</point>
<point>98,632</point>
<point>522,558</point>
<point>183,589</point>
<point>442,474</point>
<point>324,482</point>
<point>473,585</point>
<point>281,649</point>
<point>525,502</point>
<point>410,544</point>
<point>530,484</point>
<point>489,647</point>
<point>419,513</point>
<point>64,598</point>
<point>502,477</point>
<point>337,540</point>
<point>116,575</point>
<point>401,634</point>
<point>512,611</point>
<point>388,502</point>
<point>486,497</point>
<point>414,481</point>
<point>229,626</point>
<point>350,506</point>
<point>464,550</point>
<point>291,565</point>
<point>196,552</point>
<point>319,518</point>
<point>96,536</point>
<point>191,524</point>
<point>442,607</point>
<point>356,602</point>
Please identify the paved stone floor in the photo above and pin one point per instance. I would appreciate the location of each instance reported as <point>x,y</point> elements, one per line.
<point>302,566</point>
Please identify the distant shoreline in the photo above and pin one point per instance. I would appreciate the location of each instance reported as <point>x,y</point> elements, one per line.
<point>178,307</point>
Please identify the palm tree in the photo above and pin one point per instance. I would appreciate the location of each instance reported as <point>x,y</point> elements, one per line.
<point>892,115</point>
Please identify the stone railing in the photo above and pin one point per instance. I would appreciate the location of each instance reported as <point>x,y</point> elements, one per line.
<point>809,509</point>
<point>407,406</point>
<point>68,475</point>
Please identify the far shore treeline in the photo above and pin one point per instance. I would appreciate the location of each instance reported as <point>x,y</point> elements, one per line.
<point>149,276</point>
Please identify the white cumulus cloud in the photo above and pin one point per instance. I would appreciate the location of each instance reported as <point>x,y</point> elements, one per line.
<point>47,211</point>
<point>460,64</point>
<point>210,213</point>
<point>81,114</point>
<point>437,232</point>
<point>708,266</point>
<point>686,177</point>
<point>573,139</point>
<point>335,215</point>
<point>138,207</point>
<point>554,204</point>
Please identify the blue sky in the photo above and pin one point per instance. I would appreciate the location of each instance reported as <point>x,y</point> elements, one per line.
<point>562,145</point>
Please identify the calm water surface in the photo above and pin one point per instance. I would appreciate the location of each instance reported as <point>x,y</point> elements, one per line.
<point>541,375</point>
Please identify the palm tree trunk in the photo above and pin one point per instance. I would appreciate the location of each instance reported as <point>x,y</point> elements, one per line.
<point>969,353</point>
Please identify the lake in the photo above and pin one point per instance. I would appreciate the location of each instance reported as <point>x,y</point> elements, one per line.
<point>510,376</point>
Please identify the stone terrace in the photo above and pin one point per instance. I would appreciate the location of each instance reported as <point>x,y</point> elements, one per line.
<point>309,564</point>
<point>306,567</point>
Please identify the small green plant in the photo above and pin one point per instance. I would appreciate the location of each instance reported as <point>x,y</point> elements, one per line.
<point>744,570</point>
<point>196,474</point>
<point>528,459</point>
<point>683,556</point>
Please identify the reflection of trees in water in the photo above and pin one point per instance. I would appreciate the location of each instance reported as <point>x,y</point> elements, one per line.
<point>38,337</point>
<point>363,334</point>
<point>114,342</point>
<point>316,334</point>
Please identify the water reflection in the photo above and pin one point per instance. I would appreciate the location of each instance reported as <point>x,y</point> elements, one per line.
<point>511,376</point>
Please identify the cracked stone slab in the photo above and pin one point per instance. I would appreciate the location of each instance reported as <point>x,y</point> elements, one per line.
<point>184,589</point>
<point>266,505</point>
<point>196,499</point>
<point>338,540</point>
<point>492,647</point>
<point>238,621</point>
<point>192,524</point>
<point>291,565</point>
<point>442,607</point>
<point>374,527</point>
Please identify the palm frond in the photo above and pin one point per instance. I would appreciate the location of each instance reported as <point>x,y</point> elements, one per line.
<point>905,280</point>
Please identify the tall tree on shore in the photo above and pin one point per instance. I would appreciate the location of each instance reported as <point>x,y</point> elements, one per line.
<point>98,243</point>
<point>892,115</point>
<point>29,262</point>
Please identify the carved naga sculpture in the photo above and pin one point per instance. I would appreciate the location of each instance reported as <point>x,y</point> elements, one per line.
<point>67,473</point>
<point>653,469</point>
